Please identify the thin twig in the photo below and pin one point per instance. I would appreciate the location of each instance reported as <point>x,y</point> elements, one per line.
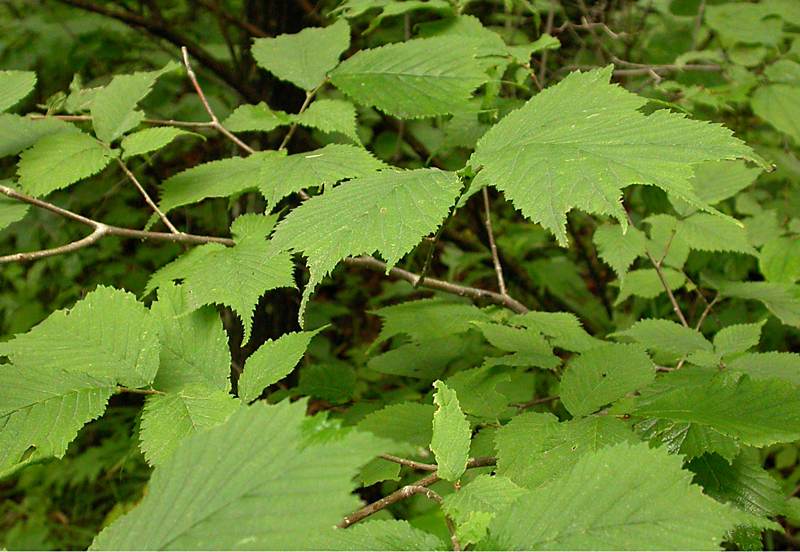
<point>409,463</point>
<point>82,118</point>
<point>293,128</point>
<point>401,494</point>
<point>706,311</point>
<point>121,389</point>
<point>214,120</point>
<point>498,268</point>
<point>437,498</point>
<point>535,402</point>
<point>548,29</point>
<point>147,197</point>
<point>98,233</point>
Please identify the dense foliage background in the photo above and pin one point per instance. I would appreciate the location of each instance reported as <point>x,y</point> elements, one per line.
<point>679,300</point>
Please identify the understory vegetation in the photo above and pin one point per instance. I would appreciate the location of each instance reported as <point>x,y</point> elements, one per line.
<point>399,274</point>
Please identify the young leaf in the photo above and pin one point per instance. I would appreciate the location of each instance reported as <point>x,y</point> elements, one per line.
<point>257,117</point>
<point>451,434</point>
<point>252,463</point>
<point>665,335</point>
<point>417,78</point>
<point>644,282</point>
<point>578,143</point>
<point>389,212</point>
<point>107,334</point>
<point>43,407</point>
<point>58,160</point>
<point>304,58</point>
<point>582,509</point>
<point>602,375</point>
<point>194,347</point>
<point>15,85</point>
<point>273,361</point>
<point>151,139</point>
<point>283,175</point>
<point>711,233</point>
<point>114,106</point>
<point>619,249</point>
<point>169,419</point>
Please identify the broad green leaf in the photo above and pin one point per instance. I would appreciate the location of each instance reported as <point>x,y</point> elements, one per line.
<point>194,346</point>
<point>151,139</point>
<point>428,319</point>
<point>114,106</point>
<point>563,328</point>
<point>221,178</point>
<point>379,470</point>
<point>19,133</point>
<point>15,85</point>
<point>534,448</point>
<point>779,260</point>
<point>253,463</point>
<point>619,249</point>
<point>272,362</point>
<point>58,160</point>
<point>43,407</point>
<point>451,434</point>
<point>257,117</point>
<point>779,105</point>
<point>423,77</point>
<point>476,389</point>
<point>333,382</point>
<point>644,282</point>
<point>107,334</point>
<point>527,345</point>
<point>766,366</point>
<point>207,272</point>
<point>384,534</point>
<point>304,58</point>
<point>403,422</point>
<point>744,23</point>
<point>715,181</point>
<point>330,116</point>
<point>169,419</point>
<point>690,440</point>
<point>757,413</point>
<point>389,212</point>
<point>665,335</point>
<point>783,70</point>
<point>782,300</point>
<point>743,482</point>
<point>580,142</point>
<point>625,497</point>
<point>426,360</point>
<point>737,338</point>
<point>711,233</point>
<point>600,376</point>
<point>284,175</point>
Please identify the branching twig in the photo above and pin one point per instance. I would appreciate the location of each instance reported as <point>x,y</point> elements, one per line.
<point>498,268</point>
<point>293,128</point>
<point>409,463</point>
<point>437,498</point>
<point>214,121</point>
<point>148,200</point>
<point>86,118</point>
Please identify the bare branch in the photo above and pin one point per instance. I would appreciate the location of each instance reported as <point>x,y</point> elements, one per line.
<point>98,233</point>
<point>309,96</point>
<point>146,196</point>
<point>121,389</point>
<point>170,122</point>
<point>409,463</point>
<point>548,28</point>
<point>498,268</point>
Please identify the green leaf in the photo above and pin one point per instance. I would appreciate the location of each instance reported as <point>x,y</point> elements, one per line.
<point>15,85</point>
<point>476,388</point>
<point>583,508</point>
<point>330,116</point>
<point>58,160</point>
<point>384,534</point>
<point>778,105</point>
<point>43,407</point>
<point>379,470</point>
<point>578,143</point>
<point>534,448</point>
<point>257,117</point>
<point>284,175</point>
<point>169,419</point>
<point>221,178</point>
<point>779,260</point>
<point>403,422</point>
<point>418,78</point>
<point>665,335</point>
<point>114,106</point>
<point>782,300</point>
<point>11,210</point>
<point>600,376</point>
<point>389,212</point>
<point>743,23</point>
<point>528,346</point>
<point>428,319</point>
<point>758,413</point>
<point>151,139</point>
<point>107,334</point>
<point>272,362</point>
<point>690,440</point>
<point>194,346</point>
<point>333,382</point>
<point>426,360</point>
<point>253,463</point>
<point>645,282</point>
<point>715,181</point>
<point>738,338</point>
<point>563,328</point>
<point>711,233</point>
<point>766,366</point>
<point>19,133</point>
<point>304,58</point>
<point>619,249</point>
<point>451,434</point>
<point>253,264</point>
